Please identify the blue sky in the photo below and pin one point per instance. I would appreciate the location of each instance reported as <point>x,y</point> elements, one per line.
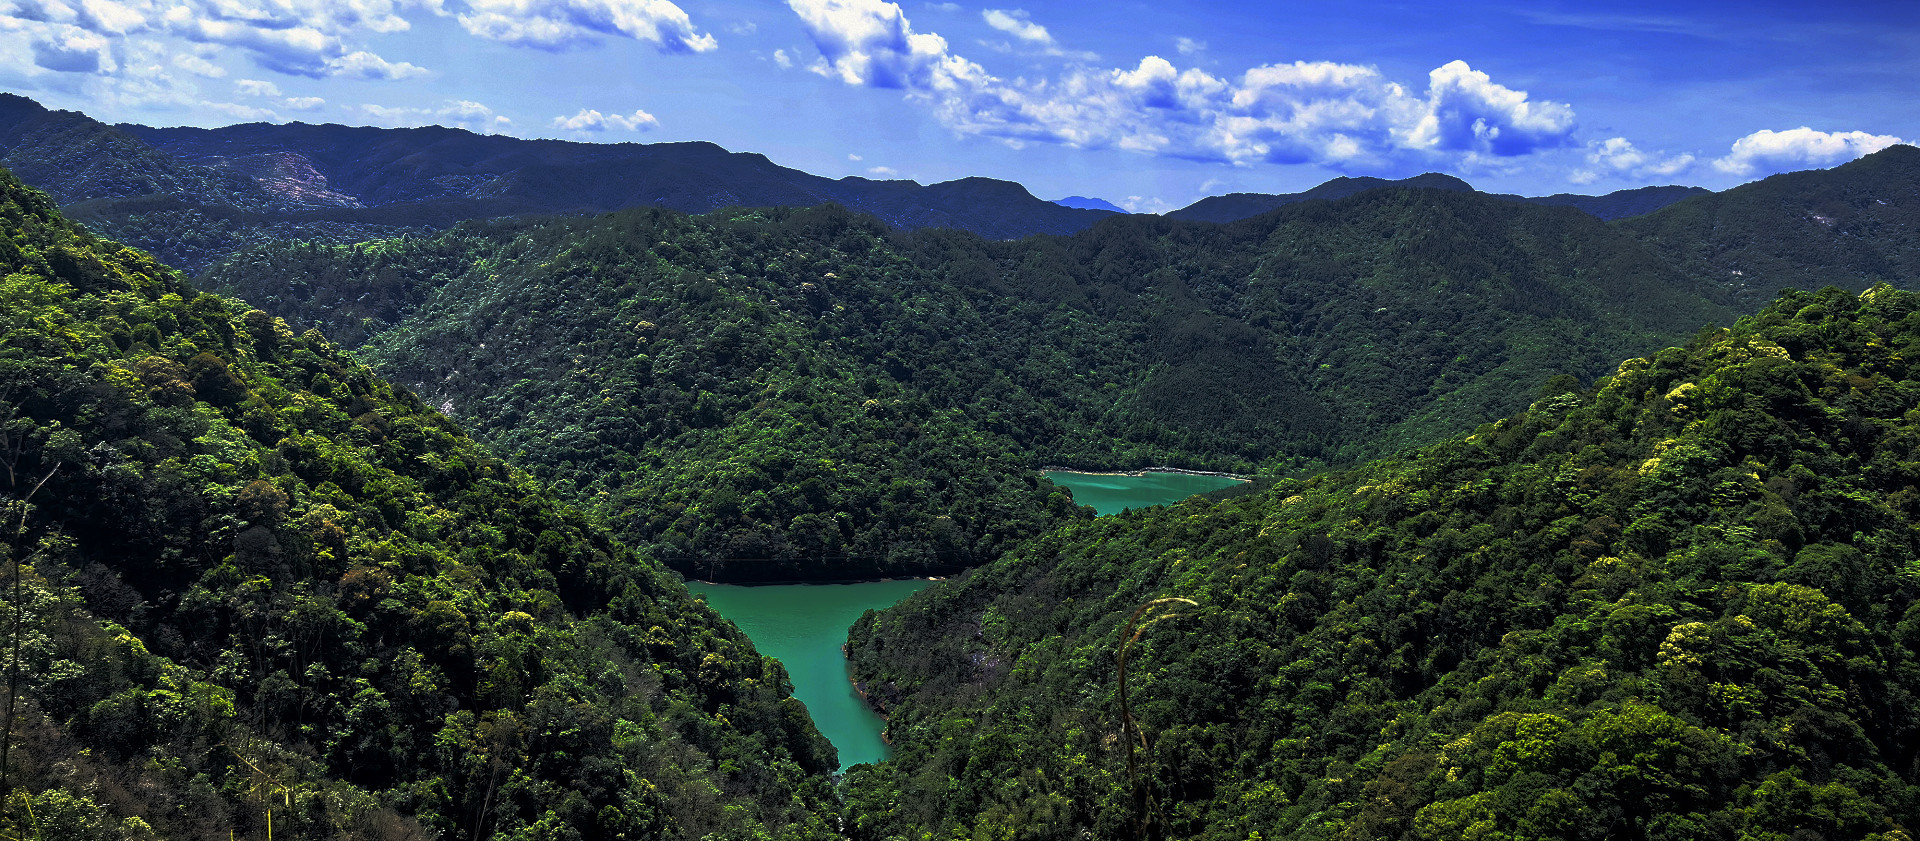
<point>1148,104</point>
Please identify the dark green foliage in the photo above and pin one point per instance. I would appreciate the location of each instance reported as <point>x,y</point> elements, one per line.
<point>1679,605</point>
<point>1851,226</point>
<point>807,387</point>
<point>265,585</point>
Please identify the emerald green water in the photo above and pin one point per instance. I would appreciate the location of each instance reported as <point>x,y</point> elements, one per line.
<point>804,625</point>
<point>1109,494</point>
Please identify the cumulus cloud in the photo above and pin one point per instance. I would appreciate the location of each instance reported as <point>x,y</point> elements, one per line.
<point>461,113</point>
<point>250,113</point>
<point>70,49</point>
<point>882,171</point>
<point>198,66</point>
<point>781,58</point>
<point>361,64</point>
<point>567,24</point>
<point>1189,46</point>
<point>125,49</point>
<point>594,121</point>
<point>1767,151</point>
<point>1618,156</point>
<point>256,87</point>
<point>1467,111</point>
<point>314,38</point>
<point>1015,22</point>
<point>303,103</point>
<point>1338,115</point>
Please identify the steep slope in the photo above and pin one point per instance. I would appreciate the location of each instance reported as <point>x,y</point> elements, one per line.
<point>779,387</point>
<point>1679,605</point>
<point>251,588</point>
<point>1852,226</point>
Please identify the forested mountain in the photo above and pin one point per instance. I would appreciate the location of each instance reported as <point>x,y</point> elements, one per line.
<point>252,588</point>
<point>1619,204</point>
<point>1851,226</point>
<point>195,195</point>
<point>791,394</point>
<point>1679,604</point>
<point>1234,207</point>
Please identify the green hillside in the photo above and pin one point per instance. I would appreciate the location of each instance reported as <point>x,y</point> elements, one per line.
<point>1678,605</point>
<point>1851,226</point>
<point>779,394</point>
<point>252,590</point>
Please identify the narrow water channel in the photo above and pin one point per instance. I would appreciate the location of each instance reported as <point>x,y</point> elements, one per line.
<point>1112,493</point>
<point>804,626</point>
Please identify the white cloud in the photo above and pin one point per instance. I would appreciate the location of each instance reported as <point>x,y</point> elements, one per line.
<point>1338,115</point>
<point>853,157</point>
<point>594,121</point>
<point>247,113</point>
<point>1015,22</point>
<point>462,113</point>
<point>314,38</point>
<point>70,49</point>
<point>1145,204</point>
<point>566,24</point>
<point>882,171</point>
<point>781,58</point>
<point>303,103</point>
<point>1767,151</point>
<point>255,87</point>
<point>365,65</point>
<point>1618,156</point>
<point>198,66</point>
<point>1189,46</point>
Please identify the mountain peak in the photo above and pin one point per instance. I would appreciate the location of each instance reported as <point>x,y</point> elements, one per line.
<point>1088,203</point>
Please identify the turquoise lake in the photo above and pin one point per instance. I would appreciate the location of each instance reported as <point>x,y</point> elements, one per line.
<point>1112,494</point>
<point>804,625</point>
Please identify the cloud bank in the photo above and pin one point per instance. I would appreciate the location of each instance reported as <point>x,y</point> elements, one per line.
<point>1338,115</point>
<point>1766,151</point>
<point>590,120</point>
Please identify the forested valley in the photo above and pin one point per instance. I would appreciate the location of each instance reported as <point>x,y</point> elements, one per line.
<point>260,579</point>
<point>804,394</point>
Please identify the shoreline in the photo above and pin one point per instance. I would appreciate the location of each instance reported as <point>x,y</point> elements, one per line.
<point>688,579</point>
<point>1238,477</point>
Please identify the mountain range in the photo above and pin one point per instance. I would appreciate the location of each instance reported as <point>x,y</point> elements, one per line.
<point>1619,204</point>
<point>192,195</point>
<point>259,579</point>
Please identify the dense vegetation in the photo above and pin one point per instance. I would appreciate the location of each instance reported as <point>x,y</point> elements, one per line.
<point>252,590</point>
<point>784,394</point>
<point>1851,226</point>
<point>1680,604</point>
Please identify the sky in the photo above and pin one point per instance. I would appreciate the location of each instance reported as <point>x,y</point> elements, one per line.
<point>1150,105</point>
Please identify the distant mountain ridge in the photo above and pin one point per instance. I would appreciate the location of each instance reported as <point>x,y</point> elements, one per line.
<point>1620,204</point>
<point>1087,203</point>
<point>193,195</point>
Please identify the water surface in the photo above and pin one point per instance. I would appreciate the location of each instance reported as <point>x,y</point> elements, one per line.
<point>1113,493</point>
<point>804,625</point>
